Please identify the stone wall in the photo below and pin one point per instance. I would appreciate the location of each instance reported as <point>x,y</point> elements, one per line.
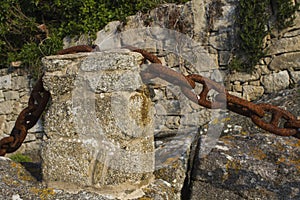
<point>15,86</point>
<point>277,71</point>
<point>211,25</point>
<point>280,69</point>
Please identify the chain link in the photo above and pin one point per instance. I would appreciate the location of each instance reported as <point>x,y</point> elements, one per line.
<point>75,49</point>
<point>37,102</point>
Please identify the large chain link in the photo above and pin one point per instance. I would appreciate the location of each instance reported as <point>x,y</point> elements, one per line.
<point>281,122</point>
<point>39,98</point>
<point>37,103</point>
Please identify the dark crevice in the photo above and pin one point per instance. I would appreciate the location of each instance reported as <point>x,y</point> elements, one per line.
<point>286,53</point>
<point>35,169</point>
<point>192,162</point>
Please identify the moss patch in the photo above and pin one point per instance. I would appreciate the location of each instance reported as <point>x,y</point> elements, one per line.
<point>20,158</point>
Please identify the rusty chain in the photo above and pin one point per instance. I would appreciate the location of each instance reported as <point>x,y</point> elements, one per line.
<point>29,116</point>
<point>37,103</point>
<point>76,49</point>
<point>39,98</point>
<point>282,122</point>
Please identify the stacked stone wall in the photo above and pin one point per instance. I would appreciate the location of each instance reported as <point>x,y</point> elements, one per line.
<point>211,25</point>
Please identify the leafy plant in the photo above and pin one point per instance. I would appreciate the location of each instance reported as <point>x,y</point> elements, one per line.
<point>252,19</point>
<point>285,13</point>
<point>20,158</point>
<point>254,24</point>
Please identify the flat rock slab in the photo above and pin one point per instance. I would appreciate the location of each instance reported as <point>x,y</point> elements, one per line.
<point>17,183</point>
<point>250,163</point>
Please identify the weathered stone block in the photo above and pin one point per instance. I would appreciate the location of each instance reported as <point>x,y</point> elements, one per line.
<point>9,126</point>
<point>172,159</point>
<point>220,41</point>
<point>19,82</point>
<point>285,45</point>
<point>60,83</point>
<point>251,92</point>
<point>100,128</point>
<point>224,57</point>
<point>1,94</point>
<point>63,63</point>
<point>110,29</point>
<point>17,107</point>
<point>66,160</point>
<point>5,82</point>
<point>286,61</point>
<point>243,77</point>
<point>237,88</point>
<point>224,15</point>
<point>6,107</point>
<point>295,76</point>
<point>11,95</point>
<point>276,81</point>
<point>168,107</point>
<point>2,123</point>
<point>255,83</point>
<point>237,94</point>
<point>59,119</point>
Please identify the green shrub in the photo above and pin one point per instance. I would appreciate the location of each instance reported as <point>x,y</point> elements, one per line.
<point>252,18</point>
<point>22,40</point>
<point>20,158</point>
<point>285,13</point>
<point>254,24</point>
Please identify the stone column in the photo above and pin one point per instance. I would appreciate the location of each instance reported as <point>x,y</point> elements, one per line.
<point>99,123</point>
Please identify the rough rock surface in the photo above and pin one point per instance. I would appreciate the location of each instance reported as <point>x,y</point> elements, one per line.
<point>99,124</point>
<point>246,163</point>
<point>249,163</point>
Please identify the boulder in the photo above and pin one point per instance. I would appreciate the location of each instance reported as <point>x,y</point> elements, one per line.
<point>276,81</point>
